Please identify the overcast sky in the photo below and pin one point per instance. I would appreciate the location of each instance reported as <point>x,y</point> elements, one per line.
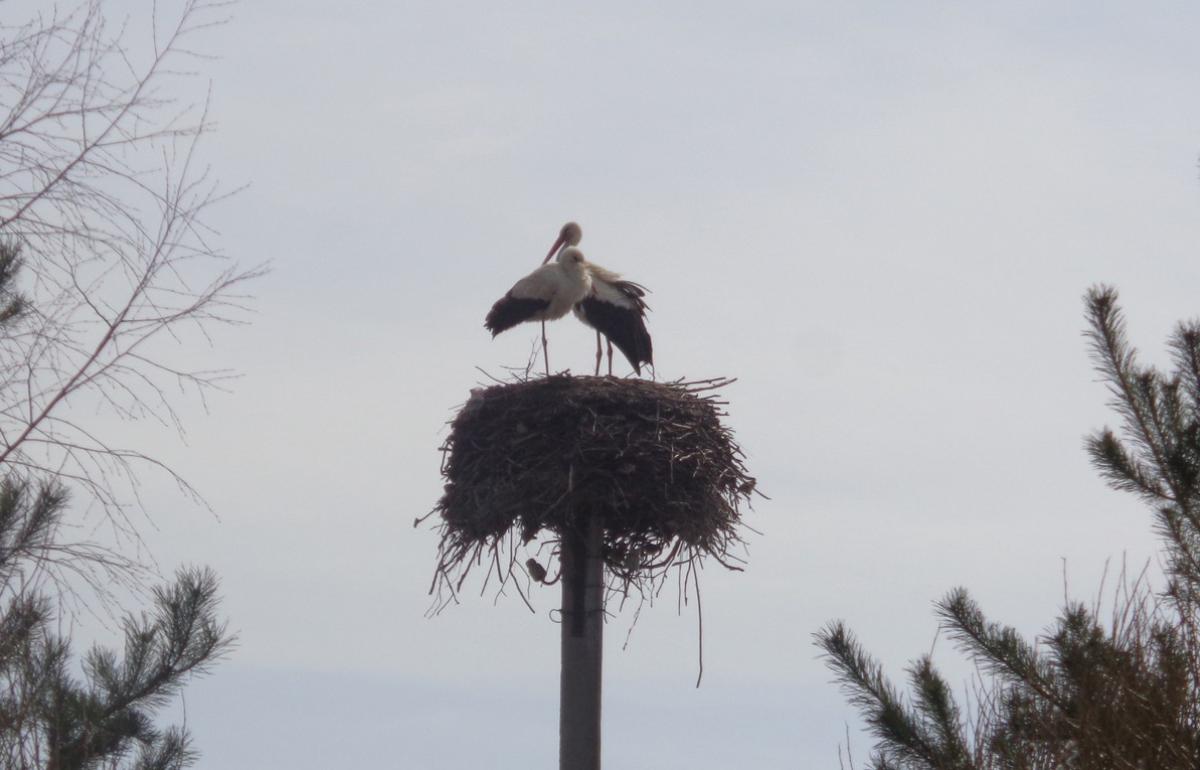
<point>880,218</point>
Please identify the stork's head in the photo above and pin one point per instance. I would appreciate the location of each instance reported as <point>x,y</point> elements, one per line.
<point>570,235</point>
<point>572,257</point>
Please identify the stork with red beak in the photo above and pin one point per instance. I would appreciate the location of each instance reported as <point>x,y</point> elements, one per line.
<point>614,307</point>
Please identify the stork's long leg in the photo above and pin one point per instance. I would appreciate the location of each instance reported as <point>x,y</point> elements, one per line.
<point>609,358</point>
<point>598,355</point>
<point>545,354</point>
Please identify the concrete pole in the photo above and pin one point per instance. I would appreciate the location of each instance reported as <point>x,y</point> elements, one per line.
<point>582,649</point>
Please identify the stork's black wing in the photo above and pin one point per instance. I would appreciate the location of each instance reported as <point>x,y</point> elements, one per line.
<point>624,325</point>
<point>510,311</point>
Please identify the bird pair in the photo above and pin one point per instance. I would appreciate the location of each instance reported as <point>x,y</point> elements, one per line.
<point>600,298</point>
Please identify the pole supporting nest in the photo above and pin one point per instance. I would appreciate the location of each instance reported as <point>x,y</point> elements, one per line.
<point>582,648</point>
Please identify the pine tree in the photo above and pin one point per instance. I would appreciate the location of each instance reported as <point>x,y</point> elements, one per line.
<point>1087,694</point>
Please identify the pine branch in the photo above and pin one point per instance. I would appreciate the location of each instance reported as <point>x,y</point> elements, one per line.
<point>1122,470</point>
<point>1116,361</point>
<point>902,737</point>
<point>935,702</point>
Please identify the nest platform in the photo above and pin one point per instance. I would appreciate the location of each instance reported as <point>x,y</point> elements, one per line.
<point>652,461</point>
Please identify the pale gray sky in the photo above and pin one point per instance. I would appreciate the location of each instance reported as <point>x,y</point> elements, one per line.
<point>881,219</point>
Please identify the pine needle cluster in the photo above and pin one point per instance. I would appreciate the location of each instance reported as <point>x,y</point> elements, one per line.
<point>1123,692</point>
<point>52,718</point>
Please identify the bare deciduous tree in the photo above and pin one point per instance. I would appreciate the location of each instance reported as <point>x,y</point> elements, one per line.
<point>102,191</point>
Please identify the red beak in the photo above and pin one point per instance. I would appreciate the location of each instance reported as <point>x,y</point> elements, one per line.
<point>554,249</point>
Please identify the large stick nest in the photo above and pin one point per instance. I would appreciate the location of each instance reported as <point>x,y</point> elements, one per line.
<point>652,460</point>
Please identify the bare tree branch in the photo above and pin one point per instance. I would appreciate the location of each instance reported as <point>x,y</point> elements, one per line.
<point>103,191</point>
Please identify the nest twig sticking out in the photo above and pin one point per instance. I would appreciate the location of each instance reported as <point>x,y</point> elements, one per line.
<point>652,460</point>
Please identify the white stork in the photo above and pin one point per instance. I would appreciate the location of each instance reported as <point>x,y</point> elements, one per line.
<point>544,295</point>
<point>614,306</point>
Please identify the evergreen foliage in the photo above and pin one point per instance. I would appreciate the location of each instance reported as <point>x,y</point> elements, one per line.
<point>1086,694</point>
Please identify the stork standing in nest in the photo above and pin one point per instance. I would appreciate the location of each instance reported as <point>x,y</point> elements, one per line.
<point>614,307</point>
<point>548,293</point>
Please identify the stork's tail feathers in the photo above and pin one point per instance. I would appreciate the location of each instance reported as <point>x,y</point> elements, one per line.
<point>639,350</point>
<point>635,292</point>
